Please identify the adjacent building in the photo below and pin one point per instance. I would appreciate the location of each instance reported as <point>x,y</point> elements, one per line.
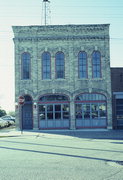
<point>63,73</point>
<point>117,97</point>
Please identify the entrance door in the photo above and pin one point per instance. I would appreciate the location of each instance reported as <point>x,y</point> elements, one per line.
<point>54,112</point>
<point>54,116</point>
<point>119,113</point>
<point>91,115</point>
<point>90,111</point>
<point>27,119</point>
<point>27,122</point>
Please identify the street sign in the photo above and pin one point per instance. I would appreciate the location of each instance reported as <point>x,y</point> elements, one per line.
<point>21,100</point>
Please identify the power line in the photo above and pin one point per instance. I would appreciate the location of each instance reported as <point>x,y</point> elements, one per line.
<point>85,14</point>
<point>61,5</point>
<point>68,17</point>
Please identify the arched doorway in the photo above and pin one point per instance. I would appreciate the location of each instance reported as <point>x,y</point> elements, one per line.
<point>90,110</point>
<point>54,112</point>
<point>27,118</point>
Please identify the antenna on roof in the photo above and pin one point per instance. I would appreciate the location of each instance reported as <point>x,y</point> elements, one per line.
<point>46,13</point>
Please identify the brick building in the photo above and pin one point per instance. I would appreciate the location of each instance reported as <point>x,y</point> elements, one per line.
<point>117,97</point>
<point>63,72</point>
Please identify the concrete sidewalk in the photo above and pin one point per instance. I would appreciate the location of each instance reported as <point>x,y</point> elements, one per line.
<point>86,133</point>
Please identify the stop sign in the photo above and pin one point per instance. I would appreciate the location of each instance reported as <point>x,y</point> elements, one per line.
<point>21,100</point>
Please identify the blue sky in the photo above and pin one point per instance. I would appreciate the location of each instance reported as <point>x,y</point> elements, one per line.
<point>29,12</point>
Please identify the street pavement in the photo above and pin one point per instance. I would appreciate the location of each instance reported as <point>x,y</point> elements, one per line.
<point>61,155</point>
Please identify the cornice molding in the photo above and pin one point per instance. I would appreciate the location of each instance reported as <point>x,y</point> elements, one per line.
<point>20,39</point>
<point>67,28</point>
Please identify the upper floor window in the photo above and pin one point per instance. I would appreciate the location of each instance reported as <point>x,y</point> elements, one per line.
<point>46,65</point>
<point>60,69</point>
<point>96,64</point>
<point>26,65</point>
<point>82,57</point>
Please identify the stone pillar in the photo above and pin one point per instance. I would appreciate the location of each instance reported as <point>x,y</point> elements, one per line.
<point>72,115</point>
<point>109,114</point>
<point>35,117</point>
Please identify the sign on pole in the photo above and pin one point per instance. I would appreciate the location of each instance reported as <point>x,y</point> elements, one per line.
<point>21,100</point>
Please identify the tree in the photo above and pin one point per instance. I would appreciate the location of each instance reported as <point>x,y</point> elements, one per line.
<point>2,112</point>
<point>11,113</point>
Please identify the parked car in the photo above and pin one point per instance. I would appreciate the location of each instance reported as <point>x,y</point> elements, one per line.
<point>3,123</point>
<point>9,119</point>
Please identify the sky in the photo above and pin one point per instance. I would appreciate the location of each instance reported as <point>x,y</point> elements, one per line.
<point>29,12</point>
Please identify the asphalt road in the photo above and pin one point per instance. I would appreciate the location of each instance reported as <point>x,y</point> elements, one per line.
<point>61,155</point>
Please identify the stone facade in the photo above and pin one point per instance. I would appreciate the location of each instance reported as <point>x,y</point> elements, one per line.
<point>69,39</point>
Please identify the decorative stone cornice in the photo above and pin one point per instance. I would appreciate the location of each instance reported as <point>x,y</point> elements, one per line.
<point>88,27</point>
<point>61,38</point>
<point>61,32</point>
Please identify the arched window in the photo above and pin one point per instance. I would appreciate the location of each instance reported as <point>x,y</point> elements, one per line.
<point>54,98</point>
<point>28,99</point>
<point>46,65</point>
<point>90,97</point>
<point>26,63</point>
<point>60,65</point>
<point>96,64</point>
<point>82,57</point>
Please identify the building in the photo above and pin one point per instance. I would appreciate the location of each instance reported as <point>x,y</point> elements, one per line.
<point>63,73</point>
<point>117,97</point>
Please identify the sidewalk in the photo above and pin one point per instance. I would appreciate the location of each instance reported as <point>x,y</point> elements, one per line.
<point>9,132</point>
<point>86,133</point>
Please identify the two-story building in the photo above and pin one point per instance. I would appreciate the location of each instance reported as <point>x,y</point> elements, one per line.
<point>63,73</point>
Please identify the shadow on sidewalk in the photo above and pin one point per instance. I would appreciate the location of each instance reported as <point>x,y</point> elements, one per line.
<point>88,134</point>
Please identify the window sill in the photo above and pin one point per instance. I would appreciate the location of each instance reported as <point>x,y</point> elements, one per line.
<point>46,79</point>
<point>60,79</point>
<point>26,79</point>
<point>92,79</point>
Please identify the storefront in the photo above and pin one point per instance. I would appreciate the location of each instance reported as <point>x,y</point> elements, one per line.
<point>54,111</point>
